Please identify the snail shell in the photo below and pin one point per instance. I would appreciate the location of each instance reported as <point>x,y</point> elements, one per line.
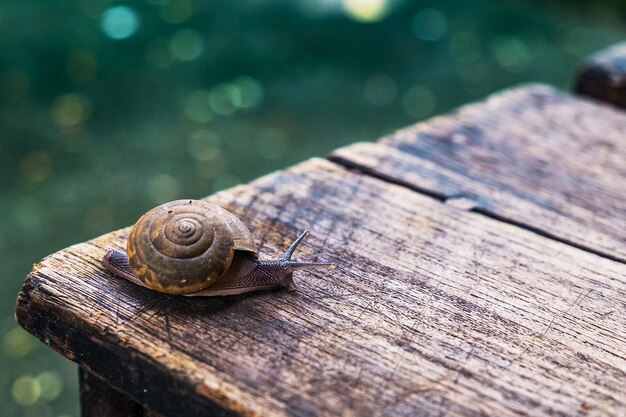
<point>196,248</point>
<point>185,246</point>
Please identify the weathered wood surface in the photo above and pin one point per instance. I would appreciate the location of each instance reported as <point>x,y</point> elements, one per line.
<point>532,156</point>
<point>98,399</point>
<point>603,75</point>
<point>433,310</point>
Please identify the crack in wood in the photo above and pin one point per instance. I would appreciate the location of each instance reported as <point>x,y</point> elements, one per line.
<point>475,208</point>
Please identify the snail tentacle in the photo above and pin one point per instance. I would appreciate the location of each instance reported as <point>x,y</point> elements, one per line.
<point>291,266</point>
<point>294,245</point>
<point>265,275</point>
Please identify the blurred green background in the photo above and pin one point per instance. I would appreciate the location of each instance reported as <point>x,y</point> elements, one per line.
<point>108,108</point>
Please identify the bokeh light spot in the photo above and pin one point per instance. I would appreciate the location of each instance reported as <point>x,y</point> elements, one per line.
<point>418,102</point>
<point>197,107</point>
<point>158,53</point>
<point>17,343</point>
<point>26,390</point>
<point>51,385</point>
<point>36,166</point>
<point>204,145</point>
<point>430,25</point>
<point>70,109</point>
<point>223,98</point>
<point>251,92</point>
<point>163,187</point>
<point>380,90</point>
<point>366,11</point>
<point>186,45</point>
<point>511,53</point>
<point>119,22</point>
<point>464,47</point>
<point>272,143</point>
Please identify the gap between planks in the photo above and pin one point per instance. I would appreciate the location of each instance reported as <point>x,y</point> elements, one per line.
<point>350,165</point>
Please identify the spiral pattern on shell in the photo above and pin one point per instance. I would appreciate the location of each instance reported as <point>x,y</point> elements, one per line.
<point>182,246</point>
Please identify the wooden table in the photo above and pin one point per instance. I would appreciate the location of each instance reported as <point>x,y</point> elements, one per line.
<point>481,272</point>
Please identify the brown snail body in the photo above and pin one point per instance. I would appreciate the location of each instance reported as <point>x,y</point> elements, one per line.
<point>195,248</point>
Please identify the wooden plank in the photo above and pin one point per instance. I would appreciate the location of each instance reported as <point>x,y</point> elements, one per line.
<point>532,156</point>
<point>432,310</point>
<point>603,76</point>
<point>98,399</point>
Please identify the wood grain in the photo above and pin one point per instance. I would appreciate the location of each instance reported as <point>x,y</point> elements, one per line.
<point>532,156</point>
<point>603,76</point>
<point>433,310</point>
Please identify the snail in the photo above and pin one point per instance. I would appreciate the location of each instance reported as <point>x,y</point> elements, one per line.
<point>195,248</point>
